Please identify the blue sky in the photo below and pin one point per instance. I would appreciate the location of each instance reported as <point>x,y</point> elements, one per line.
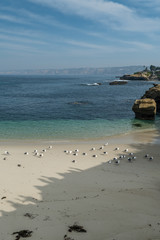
<point>36,34</point>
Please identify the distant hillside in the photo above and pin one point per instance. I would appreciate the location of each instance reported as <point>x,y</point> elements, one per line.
<point>78,71</point>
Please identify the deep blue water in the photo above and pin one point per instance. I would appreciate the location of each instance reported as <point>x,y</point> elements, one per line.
<point>44,107</point>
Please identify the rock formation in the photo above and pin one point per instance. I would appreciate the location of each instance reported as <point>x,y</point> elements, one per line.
<point>151,74</point>
<point>136,77</point>
<point>154,93</point>
<point>145,109</point>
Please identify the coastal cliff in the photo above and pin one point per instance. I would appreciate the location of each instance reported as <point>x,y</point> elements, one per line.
<point>151,74</point>
<point>136,76</point>
<point>149,104</point>
<point>154,93</point>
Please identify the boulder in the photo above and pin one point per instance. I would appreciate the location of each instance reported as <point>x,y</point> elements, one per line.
<point>154,93</point>
<point>145,109</point>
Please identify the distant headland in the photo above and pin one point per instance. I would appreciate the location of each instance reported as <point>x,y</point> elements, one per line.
<point>148,74</point>
<point>119,71</point>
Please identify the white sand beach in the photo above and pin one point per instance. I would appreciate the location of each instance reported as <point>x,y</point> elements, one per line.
<point>48,194</point>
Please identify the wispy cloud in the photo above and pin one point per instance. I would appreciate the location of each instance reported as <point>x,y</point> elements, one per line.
<point>19,48</point>
<point>115,15</point>
<point>108,48</point>
<point>20,39</point>
<point>13,19</point>
<point>139,45</point>
<point>24,16</point>
<point>84,44</point>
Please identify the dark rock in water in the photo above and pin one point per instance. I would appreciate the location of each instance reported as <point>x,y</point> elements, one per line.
<point>155,84</point>
<point>76,228</point>
<point>137,124</point>
<point>154,93</point>
<point>23,234</point>
<point>145,109</point>
<point>118,83</point>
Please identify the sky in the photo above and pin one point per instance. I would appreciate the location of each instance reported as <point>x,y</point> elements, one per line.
<point>42,34</point>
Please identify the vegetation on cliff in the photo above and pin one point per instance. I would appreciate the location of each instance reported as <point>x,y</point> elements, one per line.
<point>153,73</point>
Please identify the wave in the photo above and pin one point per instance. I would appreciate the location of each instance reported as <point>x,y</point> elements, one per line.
<point>91,84</point>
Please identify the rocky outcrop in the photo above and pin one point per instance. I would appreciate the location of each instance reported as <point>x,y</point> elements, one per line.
<point>145,109</point>
<point>154,93</point>
<point>118,83</point>
<point>136,77</point>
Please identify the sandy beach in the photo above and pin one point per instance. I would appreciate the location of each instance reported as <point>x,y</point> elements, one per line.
<point>111,199</point>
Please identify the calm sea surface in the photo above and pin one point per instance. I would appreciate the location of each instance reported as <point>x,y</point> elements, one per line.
<point>68,107</point>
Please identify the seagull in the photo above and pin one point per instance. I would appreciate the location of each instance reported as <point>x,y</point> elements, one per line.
<point>126,150</point>
<point>151,158</point>
<point>44,150</point>
<point>117,148</point>
<point>50,147</point>
<point>117,162</point>
<point>146,156</point>
<point>129,159</point>
<point>105,153</point>
<point>93,149</point>
<point>26,153</point>
<point>74,161</point>
<point>35,151</point>
<point>66,151</point>
<point>109,161</point>
<point>131,154</point>
<point>85,154</point>
<point>41,155</point>
<point>101,147</point>
<point>94,155</point>
<point>6,152</point>
<point>75,154</point>
<point>115,158</point>
<point>106,144</point>
<point>134,157</point>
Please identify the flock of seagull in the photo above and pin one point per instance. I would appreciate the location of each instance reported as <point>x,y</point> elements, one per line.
<point>131,156</point>
<point>35,153</point>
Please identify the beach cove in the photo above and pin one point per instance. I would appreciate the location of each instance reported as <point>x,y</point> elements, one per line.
<point>79,120</point>
<point>87,186</point>
<point>70,159</point>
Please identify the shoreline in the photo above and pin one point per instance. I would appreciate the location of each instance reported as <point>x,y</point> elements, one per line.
<point>129,137</point>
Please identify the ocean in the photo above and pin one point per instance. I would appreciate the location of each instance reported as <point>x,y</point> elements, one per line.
<point>68,107</point>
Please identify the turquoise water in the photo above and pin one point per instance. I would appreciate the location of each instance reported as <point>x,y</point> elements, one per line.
<point>72,129</point>
<point>68,107</point>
